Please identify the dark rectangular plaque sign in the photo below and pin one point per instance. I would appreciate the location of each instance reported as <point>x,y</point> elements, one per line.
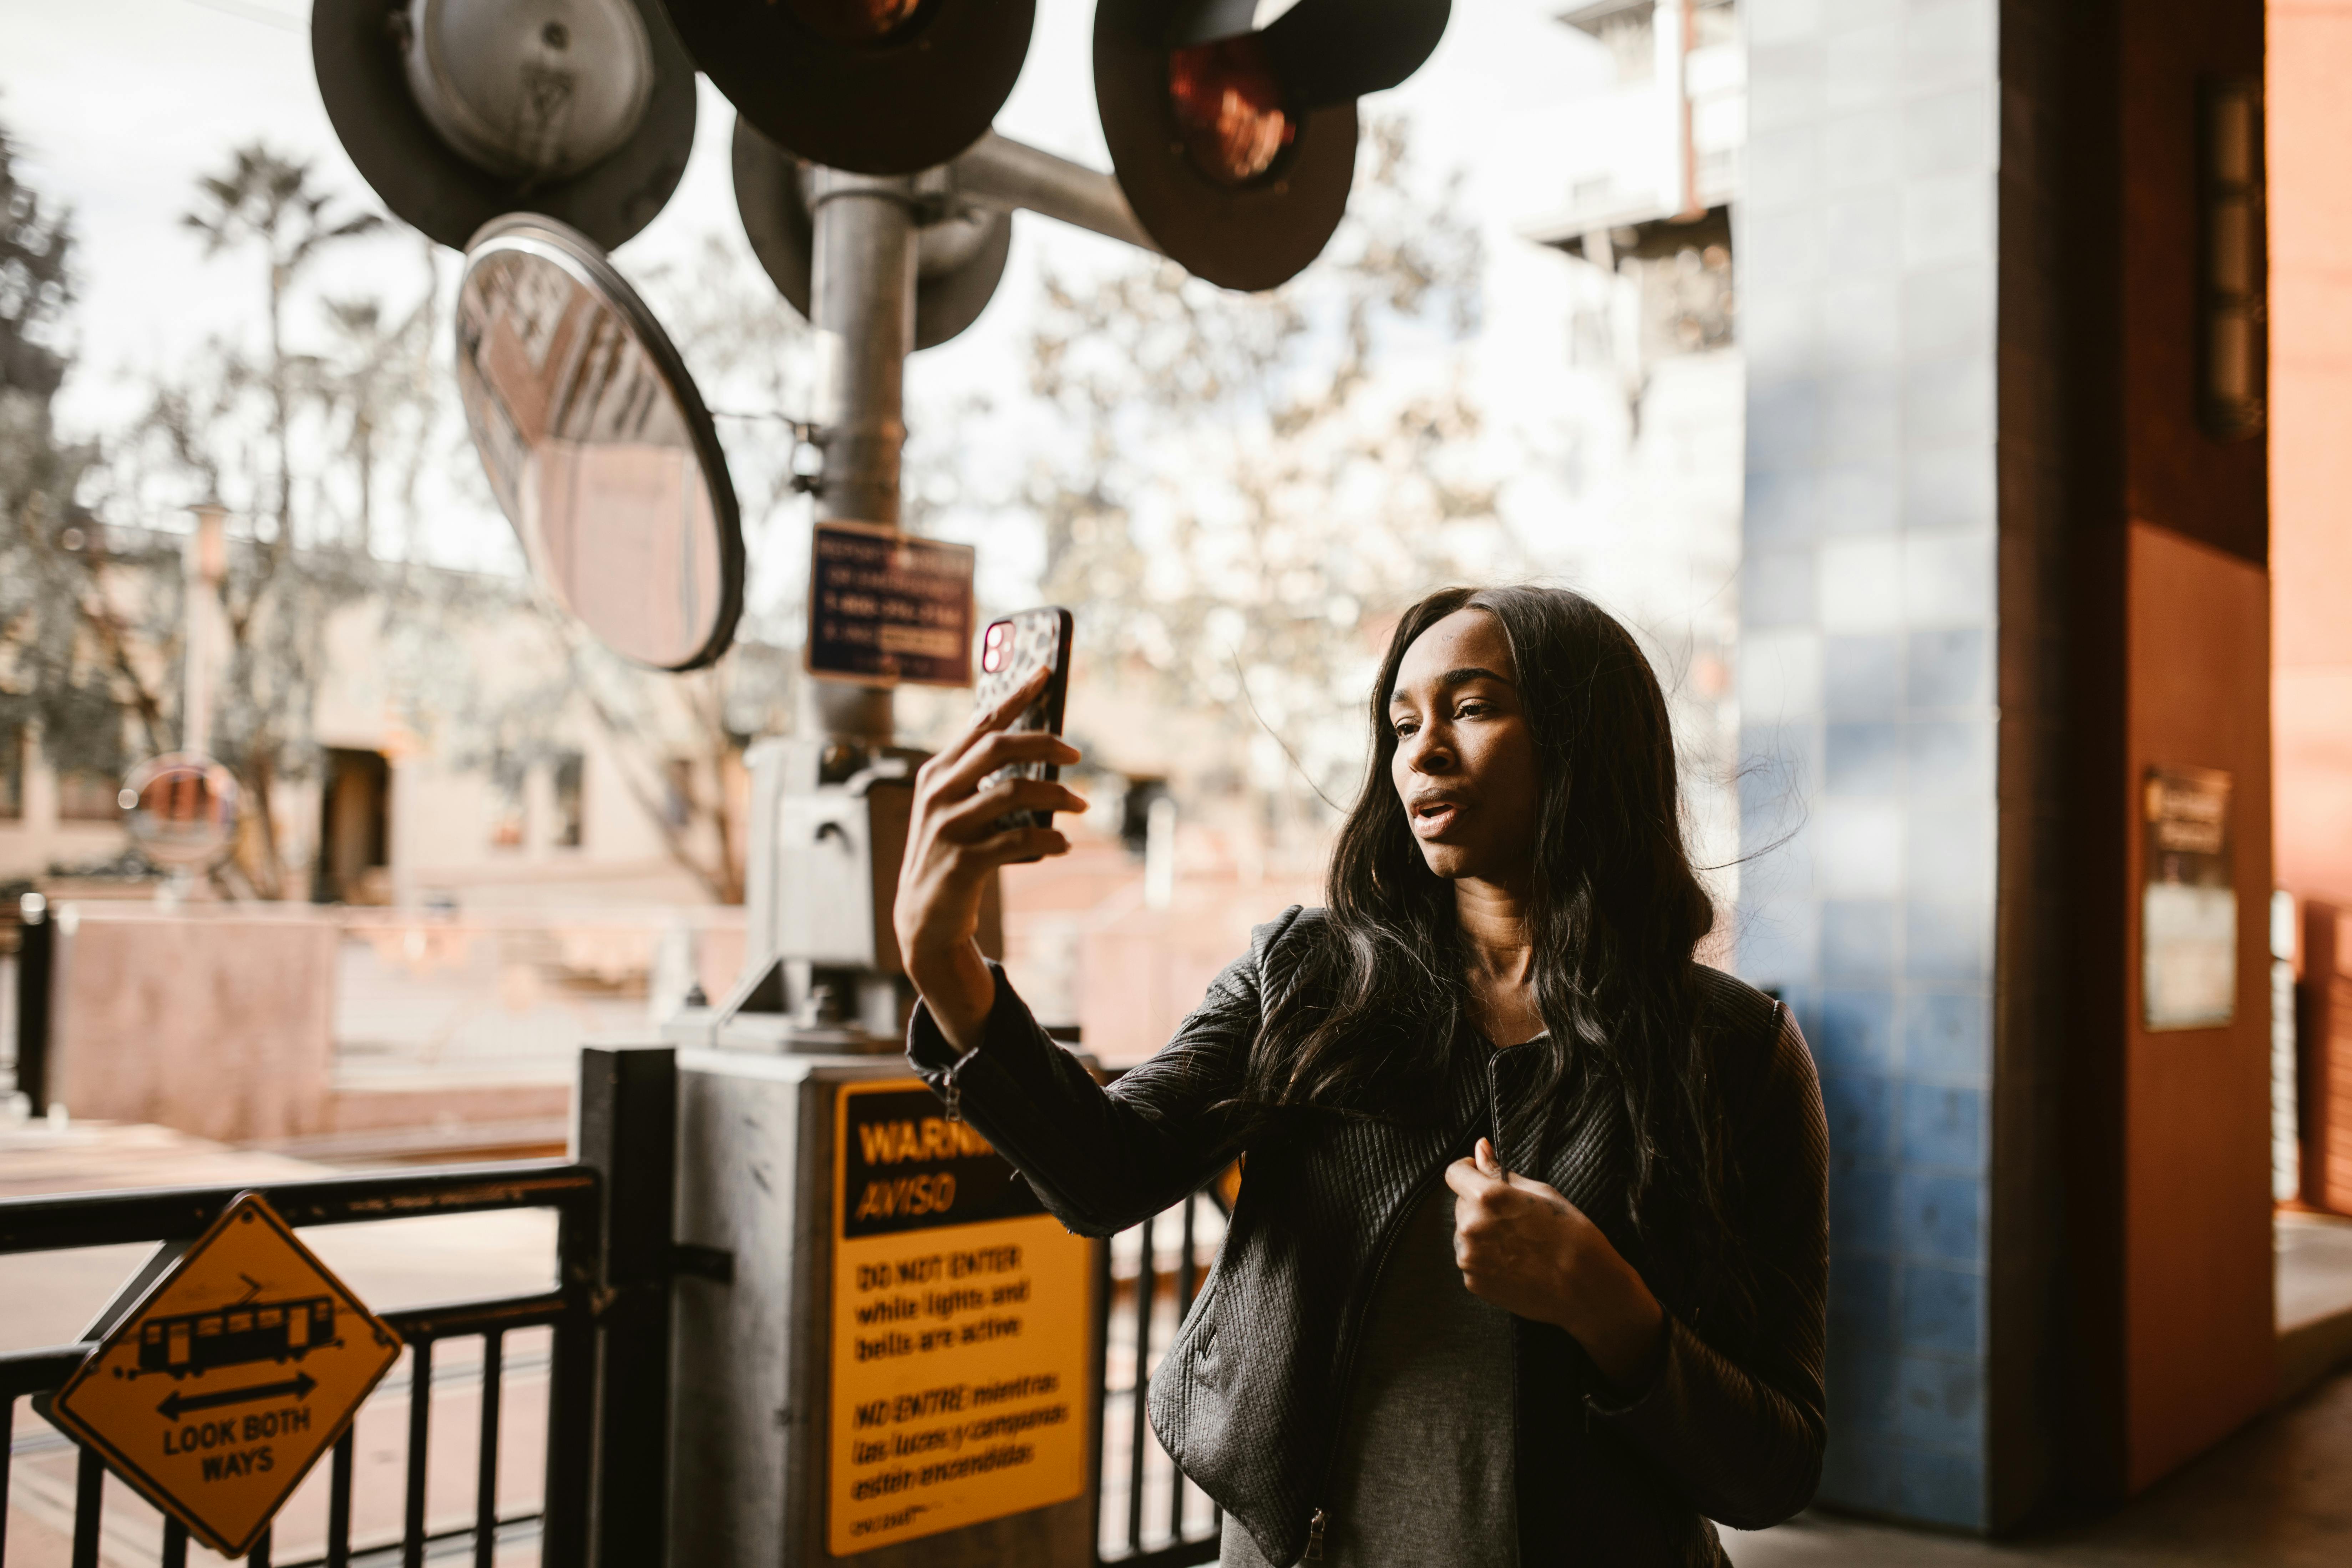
<point>885,607</point>
<point>2188,902</point>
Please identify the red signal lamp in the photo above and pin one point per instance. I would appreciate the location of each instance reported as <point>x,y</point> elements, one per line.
<point>873,86</point>
<point>1228,109</point>
<point>1235,142</point>
<point>857,21</point>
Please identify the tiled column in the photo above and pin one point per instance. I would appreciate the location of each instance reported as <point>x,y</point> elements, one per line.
<point>1866,688</point>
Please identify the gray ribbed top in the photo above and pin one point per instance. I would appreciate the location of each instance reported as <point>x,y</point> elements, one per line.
<point>1424,1476</point>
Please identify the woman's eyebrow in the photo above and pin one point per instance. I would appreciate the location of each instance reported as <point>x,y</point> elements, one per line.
<point>1453,677</point>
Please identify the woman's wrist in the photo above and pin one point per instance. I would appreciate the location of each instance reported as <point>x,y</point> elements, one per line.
<point>958,987</point>
<point>1624,1339</point>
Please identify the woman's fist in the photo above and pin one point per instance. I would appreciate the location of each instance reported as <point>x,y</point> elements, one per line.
<point>1529,1250</point>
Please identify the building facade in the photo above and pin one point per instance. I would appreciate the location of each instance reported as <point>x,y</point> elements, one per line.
<point>518,783</point>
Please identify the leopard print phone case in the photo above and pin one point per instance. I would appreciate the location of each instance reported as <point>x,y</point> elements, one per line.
<point>1011,650</point>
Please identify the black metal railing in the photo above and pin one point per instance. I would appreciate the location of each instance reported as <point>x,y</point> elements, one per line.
<point>34,941</point>
<point>1146,1514</point>
<point>607,1320</point>
<point>574,1191</point>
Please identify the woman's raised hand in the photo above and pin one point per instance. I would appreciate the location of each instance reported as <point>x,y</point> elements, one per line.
<point>953,842</point>
<point>1524,1247</point>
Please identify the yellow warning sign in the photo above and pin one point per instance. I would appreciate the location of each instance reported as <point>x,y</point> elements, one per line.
<point>959,1329</point>
<point>230,1377</point>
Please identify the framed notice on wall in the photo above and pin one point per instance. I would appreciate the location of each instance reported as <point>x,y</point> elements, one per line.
<point>960,1328</point>
<point>2188,902</point>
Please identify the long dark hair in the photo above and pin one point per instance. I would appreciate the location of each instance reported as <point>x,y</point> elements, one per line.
<point>1381,999</point>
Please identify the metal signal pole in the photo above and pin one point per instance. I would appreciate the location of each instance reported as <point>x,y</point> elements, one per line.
<point>862,304</point>
<point>866,245</point>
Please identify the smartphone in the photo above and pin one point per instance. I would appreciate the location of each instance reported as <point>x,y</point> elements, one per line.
<point>1011,651</point>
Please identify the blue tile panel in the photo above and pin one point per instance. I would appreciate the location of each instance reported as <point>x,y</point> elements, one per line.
<point>1869,729</point>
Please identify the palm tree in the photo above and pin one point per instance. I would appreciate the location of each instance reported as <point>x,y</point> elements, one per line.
<point>269,203</point>
<point>268,200</point>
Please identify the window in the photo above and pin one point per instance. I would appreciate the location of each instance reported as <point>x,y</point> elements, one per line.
<point>571,823</point>
<point>1626,26</point>
<point>12,771</point>
<point>354,827</point>
<point>1714,22</point>
<point>509,813</point>
<point>2234,349</point>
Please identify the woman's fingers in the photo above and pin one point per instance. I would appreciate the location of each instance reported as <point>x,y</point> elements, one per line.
<point>990,719</point>
<point>999,749</point>
<point>951,861</point>
<point>1482,1177</point>
<point>1467,1180</point>
<point>975,819</point>
<point>1014,844</point>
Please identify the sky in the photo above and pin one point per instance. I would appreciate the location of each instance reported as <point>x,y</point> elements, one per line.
<point>117,105</point>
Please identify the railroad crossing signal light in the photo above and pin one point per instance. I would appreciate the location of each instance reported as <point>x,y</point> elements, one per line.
<point>960,248</point>
<point>1235,143</point>
<point>874,87</point>
<point>457,112</point>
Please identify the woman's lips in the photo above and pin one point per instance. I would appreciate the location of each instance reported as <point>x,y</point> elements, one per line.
<point>1431,819</point>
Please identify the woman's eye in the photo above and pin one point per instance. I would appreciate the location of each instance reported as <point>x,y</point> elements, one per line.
<point>1405,727</point>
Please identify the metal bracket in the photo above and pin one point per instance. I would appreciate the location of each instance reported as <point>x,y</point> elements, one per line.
<point>998,172</point>
<point>810,437</point>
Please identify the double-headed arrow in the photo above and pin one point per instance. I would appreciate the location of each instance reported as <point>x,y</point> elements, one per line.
<point>298,1387</point>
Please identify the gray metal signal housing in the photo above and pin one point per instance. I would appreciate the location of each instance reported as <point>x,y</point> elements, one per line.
<point>539,89</point>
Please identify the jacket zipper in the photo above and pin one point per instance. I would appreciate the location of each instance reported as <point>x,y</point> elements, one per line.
<point>1321,1519</point>
<point>1495,1108</point>
<point>954,1095</point>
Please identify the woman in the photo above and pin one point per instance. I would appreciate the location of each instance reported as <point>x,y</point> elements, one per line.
<point>1530,1260</point>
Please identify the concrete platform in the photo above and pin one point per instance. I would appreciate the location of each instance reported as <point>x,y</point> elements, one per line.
<point>2278,1494</point>
<point>2314,1298</point>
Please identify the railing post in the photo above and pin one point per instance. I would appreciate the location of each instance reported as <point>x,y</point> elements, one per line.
<point>36,964</point>
<point>628,1134</point>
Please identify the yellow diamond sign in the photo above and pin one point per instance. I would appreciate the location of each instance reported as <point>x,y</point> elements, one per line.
<point>231,1376</point>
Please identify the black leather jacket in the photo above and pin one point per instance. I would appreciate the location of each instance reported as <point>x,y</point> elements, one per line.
<point>1249,1397</point>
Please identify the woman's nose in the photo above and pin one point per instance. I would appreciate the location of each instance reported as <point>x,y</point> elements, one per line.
<point>1426,753</point>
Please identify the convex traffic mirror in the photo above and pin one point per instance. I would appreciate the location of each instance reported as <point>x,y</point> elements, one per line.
<point>597,445</point>
<point>181,809</point>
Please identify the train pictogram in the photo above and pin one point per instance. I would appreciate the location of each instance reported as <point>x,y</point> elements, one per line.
<point>237,1336</point>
